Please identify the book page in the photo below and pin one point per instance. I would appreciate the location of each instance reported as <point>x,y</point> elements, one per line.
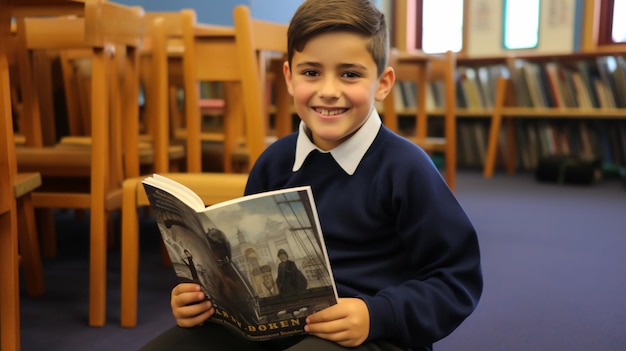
<point>186,195</point>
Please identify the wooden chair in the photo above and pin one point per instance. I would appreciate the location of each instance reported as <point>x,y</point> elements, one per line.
<point>423,69</point>
<point>238,66</point>
<point>89,178</point>
<point>24,184</point>
<point>156,152</point>
<point>161,77</point>
<point>30,256</point>
<point>154,156</point>
<point>9,278</point>
<point>236,62</point>
<point>17,229</point>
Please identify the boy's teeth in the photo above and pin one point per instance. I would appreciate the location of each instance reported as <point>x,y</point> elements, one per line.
<point>327,112</point>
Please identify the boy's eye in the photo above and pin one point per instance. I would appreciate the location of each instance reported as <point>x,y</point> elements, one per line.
<point>310,73</point>
<point>350,75</point>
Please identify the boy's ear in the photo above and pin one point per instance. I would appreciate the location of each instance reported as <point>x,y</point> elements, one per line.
<point>287,74</point>
<point>385,83</point>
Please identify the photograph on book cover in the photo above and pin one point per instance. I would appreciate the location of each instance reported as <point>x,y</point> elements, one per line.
<point>261,261</point>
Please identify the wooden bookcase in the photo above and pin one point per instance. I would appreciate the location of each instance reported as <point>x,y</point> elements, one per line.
<point>536,95</point>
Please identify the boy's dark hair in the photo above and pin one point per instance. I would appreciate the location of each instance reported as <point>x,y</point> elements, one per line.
<point>315,17</point>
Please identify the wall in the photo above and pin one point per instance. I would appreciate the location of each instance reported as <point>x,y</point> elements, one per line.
<point>557,27</point>
<point>220,12</point>
<point>274,10</point>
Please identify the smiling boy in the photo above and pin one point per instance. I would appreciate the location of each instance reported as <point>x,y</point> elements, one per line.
<point>405,256</point>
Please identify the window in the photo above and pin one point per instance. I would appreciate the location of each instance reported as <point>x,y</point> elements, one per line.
<point>619,24</point>
<point>521,24</point>
<point>442,25</point>
<point>612,27</point>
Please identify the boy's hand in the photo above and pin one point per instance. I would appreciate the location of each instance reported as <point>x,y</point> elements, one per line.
<point>347,323</point>
<point>189,305</point>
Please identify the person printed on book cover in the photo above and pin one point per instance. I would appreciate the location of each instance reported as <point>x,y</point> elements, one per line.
<point>290,279</point>
<point>235,293</point>
<point>404,254</point>
<point>188,260</point>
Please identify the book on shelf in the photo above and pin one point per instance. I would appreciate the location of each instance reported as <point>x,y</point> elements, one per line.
<point>518,80</point>
<point>554,84</point>
<point>261,259</point>
<point>607,68</point>
<point>620,80</point>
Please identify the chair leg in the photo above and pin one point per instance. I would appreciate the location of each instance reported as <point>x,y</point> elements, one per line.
<point>29,246</point>
<point>46,228</point>
<point>130,254</point>
<point>111,231</point>
<point>9,294</point>
<point>97,267</point>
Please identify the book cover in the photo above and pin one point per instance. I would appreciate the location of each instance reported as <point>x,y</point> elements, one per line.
<point>261,259</point>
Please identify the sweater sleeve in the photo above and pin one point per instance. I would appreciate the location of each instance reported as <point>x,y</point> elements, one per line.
<point>444,256</point>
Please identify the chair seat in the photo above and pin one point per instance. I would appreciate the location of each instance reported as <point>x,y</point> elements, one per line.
<point>146,152</point>
<point>54,161</point>
<point>181,134</point>
<point>20,140</point>
<point>211,187</point>
<point>26,182</point>
<point>75,141</point>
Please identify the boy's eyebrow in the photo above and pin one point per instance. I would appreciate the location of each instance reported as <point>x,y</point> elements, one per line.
<point>340,66</point>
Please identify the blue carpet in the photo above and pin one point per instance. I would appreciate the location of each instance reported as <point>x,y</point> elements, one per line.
<point>554,260</point>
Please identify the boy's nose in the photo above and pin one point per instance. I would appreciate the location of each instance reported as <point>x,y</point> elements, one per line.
<point>329,89</point>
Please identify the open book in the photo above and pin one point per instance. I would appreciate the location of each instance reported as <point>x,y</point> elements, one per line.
<point>260,259</point>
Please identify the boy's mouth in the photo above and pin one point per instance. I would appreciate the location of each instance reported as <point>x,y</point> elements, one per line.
<point>329,111</point>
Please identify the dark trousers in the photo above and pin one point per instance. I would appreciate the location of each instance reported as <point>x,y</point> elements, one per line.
<point>216,337</point>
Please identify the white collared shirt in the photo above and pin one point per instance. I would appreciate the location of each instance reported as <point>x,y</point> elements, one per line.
<point>347,154</point>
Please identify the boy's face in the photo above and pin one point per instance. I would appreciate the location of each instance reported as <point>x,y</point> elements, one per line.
<point>334,84</point>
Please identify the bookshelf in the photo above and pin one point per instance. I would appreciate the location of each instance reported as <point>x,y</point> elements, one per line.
<point>501,128</point>
<point>496,110</point>
<point>584,95</point>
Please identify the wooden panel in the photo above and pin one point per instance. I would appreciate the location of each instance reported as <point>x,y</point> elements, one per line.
<point>127,28</point>
<point>217,52</point>
<point>9,279</point>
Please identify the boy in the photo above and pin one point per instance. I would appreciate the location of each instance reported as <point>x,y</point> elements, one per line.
<point>405,256</point>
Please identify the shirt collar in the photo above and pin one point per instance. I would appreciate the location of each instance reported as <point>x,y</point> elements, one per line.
<point>347,154</point>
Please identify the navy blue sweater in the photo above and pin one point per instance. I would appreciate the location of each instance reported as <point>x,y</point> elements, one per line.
<point>395,234</point>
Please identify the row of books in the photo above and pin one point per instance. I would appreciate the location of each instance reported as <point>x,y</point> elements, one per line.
<point>599,82</point>
<point>598,139</point>
<point>476,86</point>
<point>584,83</point>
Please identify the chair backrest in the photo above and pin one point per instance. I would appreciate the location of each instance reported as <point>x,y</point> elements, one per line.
<point>254,38</point>
<point>108,137</point>
<point>8,165</point>
<point>9,278</point>
<point>9,302</point>
<point>164,34</point>
<point>230,55</point>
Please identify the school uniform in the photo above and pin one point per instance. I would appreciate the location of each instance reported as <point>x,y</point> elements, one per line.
<point>396,236</point>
